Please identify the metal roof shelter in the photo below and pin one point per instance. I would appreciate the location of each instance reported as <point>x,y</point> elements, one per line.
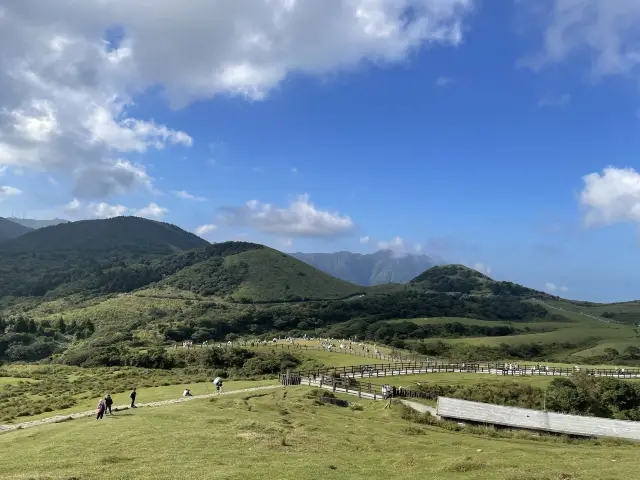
<point>455,409</point>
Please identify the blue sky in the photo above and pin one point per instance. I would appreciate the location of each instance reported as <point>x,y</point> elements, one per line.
<point>468,136</point>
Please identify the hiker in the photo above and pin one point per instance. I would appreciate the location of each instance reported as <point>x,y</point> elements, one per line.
<point>132,396</point>
<point>100,410</point>
<point>218,383</point>
<point>108,401</point>
<point>187,393</point>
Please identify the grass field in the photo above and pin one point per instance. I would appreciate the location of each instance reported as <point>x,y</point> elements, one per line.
<point>284,435</point>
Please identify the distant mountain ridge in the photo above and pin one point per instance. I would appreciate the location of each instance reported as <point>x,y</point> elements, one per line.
<point>383,266</point>
<point>10,230</point>
<point>35,224</point>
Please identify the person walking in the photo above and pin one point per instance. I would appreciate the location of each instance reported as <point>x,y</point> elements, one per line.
<point>132,396</point>
<point>108,401</point>
<point>100,410</point>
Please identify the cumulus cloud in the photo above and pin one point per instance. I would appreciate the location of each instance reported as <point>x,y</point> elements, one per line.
<point>205,229</point>
<point>188,196</point>
<point>611,196</point>
<point>364,240</point>
<point>6,192</point>
<point>552,288</point>
<point>101,210</point>
<point>67,88</point>
<point>300,219</point>
<point>606,30</point>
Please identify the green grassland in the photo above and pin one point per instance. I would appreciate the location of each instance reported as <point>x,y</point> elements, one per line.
<point>282,434</point>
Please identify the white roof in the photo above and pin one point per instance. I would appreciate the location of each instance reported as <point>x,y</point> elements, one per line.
<point>536,419</point>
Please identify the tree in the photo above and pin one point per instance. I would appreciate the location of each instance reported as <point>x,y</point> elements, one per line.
<point>61,326</point>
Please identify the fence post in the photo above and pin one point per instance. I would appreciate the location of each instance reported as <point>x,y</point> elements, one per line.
<point>359,390</point>
<point>334,384</point>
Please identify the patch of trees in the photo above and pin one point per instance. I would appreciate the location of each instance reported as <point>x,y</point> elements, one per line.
<point>23,339</point>
<point>469,353</point>
<point>210,321</point>
<point>390,332</point>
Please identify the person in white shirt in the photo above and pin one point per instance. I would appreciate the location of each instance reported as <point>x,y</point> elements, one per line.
<point>186,393</point>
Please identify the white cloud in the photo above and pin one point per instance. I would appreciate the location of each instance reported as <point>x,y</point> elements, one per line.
<point>77,209</point>
<point>554,101</point>
<point>205,229</point>
<point>552,287</point>
<point>364,240</point>
<point>418,247</point>
<point>105,210</point>
<point>188,196</point>
<point>443,81</point>
<point>482,268</point>
<point>66,93</point>
<point>152,210</point>
<point>611,197</point>
<point>606,30</point>
<point>300,219</point>
<point>3,170</point>
<point>6,192</point>
<point>396,245</point>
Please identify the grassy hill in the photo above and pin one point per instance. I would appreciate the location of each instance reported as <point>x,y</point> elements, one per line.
<point>285,434</point>
<point>10,230</point>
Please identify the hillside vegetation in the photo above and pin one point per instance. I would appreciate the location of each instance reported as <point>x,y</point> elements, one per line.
<point>123,284</point>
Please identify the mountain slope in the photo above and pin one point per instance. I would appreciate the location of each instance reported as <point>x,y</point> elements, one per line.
<point>260,274</point>
<point>10,230</point>
<point>79,256</point>
<point>101,235</point>
<point>368,269</point>
<point>461,279</point>
<point>35,224</point>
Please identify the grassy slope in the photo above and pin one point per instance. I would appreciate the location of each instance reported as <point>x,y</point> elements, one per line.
<point>273,276</point>
<point>283,435</point>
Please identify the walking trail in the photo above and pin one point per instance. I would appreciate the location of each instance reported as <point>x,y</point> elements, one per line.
<point>90,413</point>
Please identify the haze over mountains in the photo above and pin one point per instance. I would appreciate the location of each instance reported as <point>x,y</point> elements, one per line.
<point>383,266</point>
<point>33,223</point>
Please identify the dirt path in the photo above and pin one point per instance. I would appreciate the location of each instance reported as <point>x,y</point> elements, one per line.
<point>89,413</point>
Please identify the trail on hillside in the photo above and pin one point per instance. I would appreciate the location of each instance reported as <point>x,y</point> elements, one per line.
<point>90,413</point>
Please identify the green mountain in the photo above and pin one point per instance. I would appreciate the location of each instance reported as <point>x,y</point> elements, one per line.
<point>35,224</point>
<point>123,254</point>
<point>75,257</point>
<point>368,269</point>
<point>461,279</point>
<point>260,274</point>
<point>136,233</point>
<point>10,230</point>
